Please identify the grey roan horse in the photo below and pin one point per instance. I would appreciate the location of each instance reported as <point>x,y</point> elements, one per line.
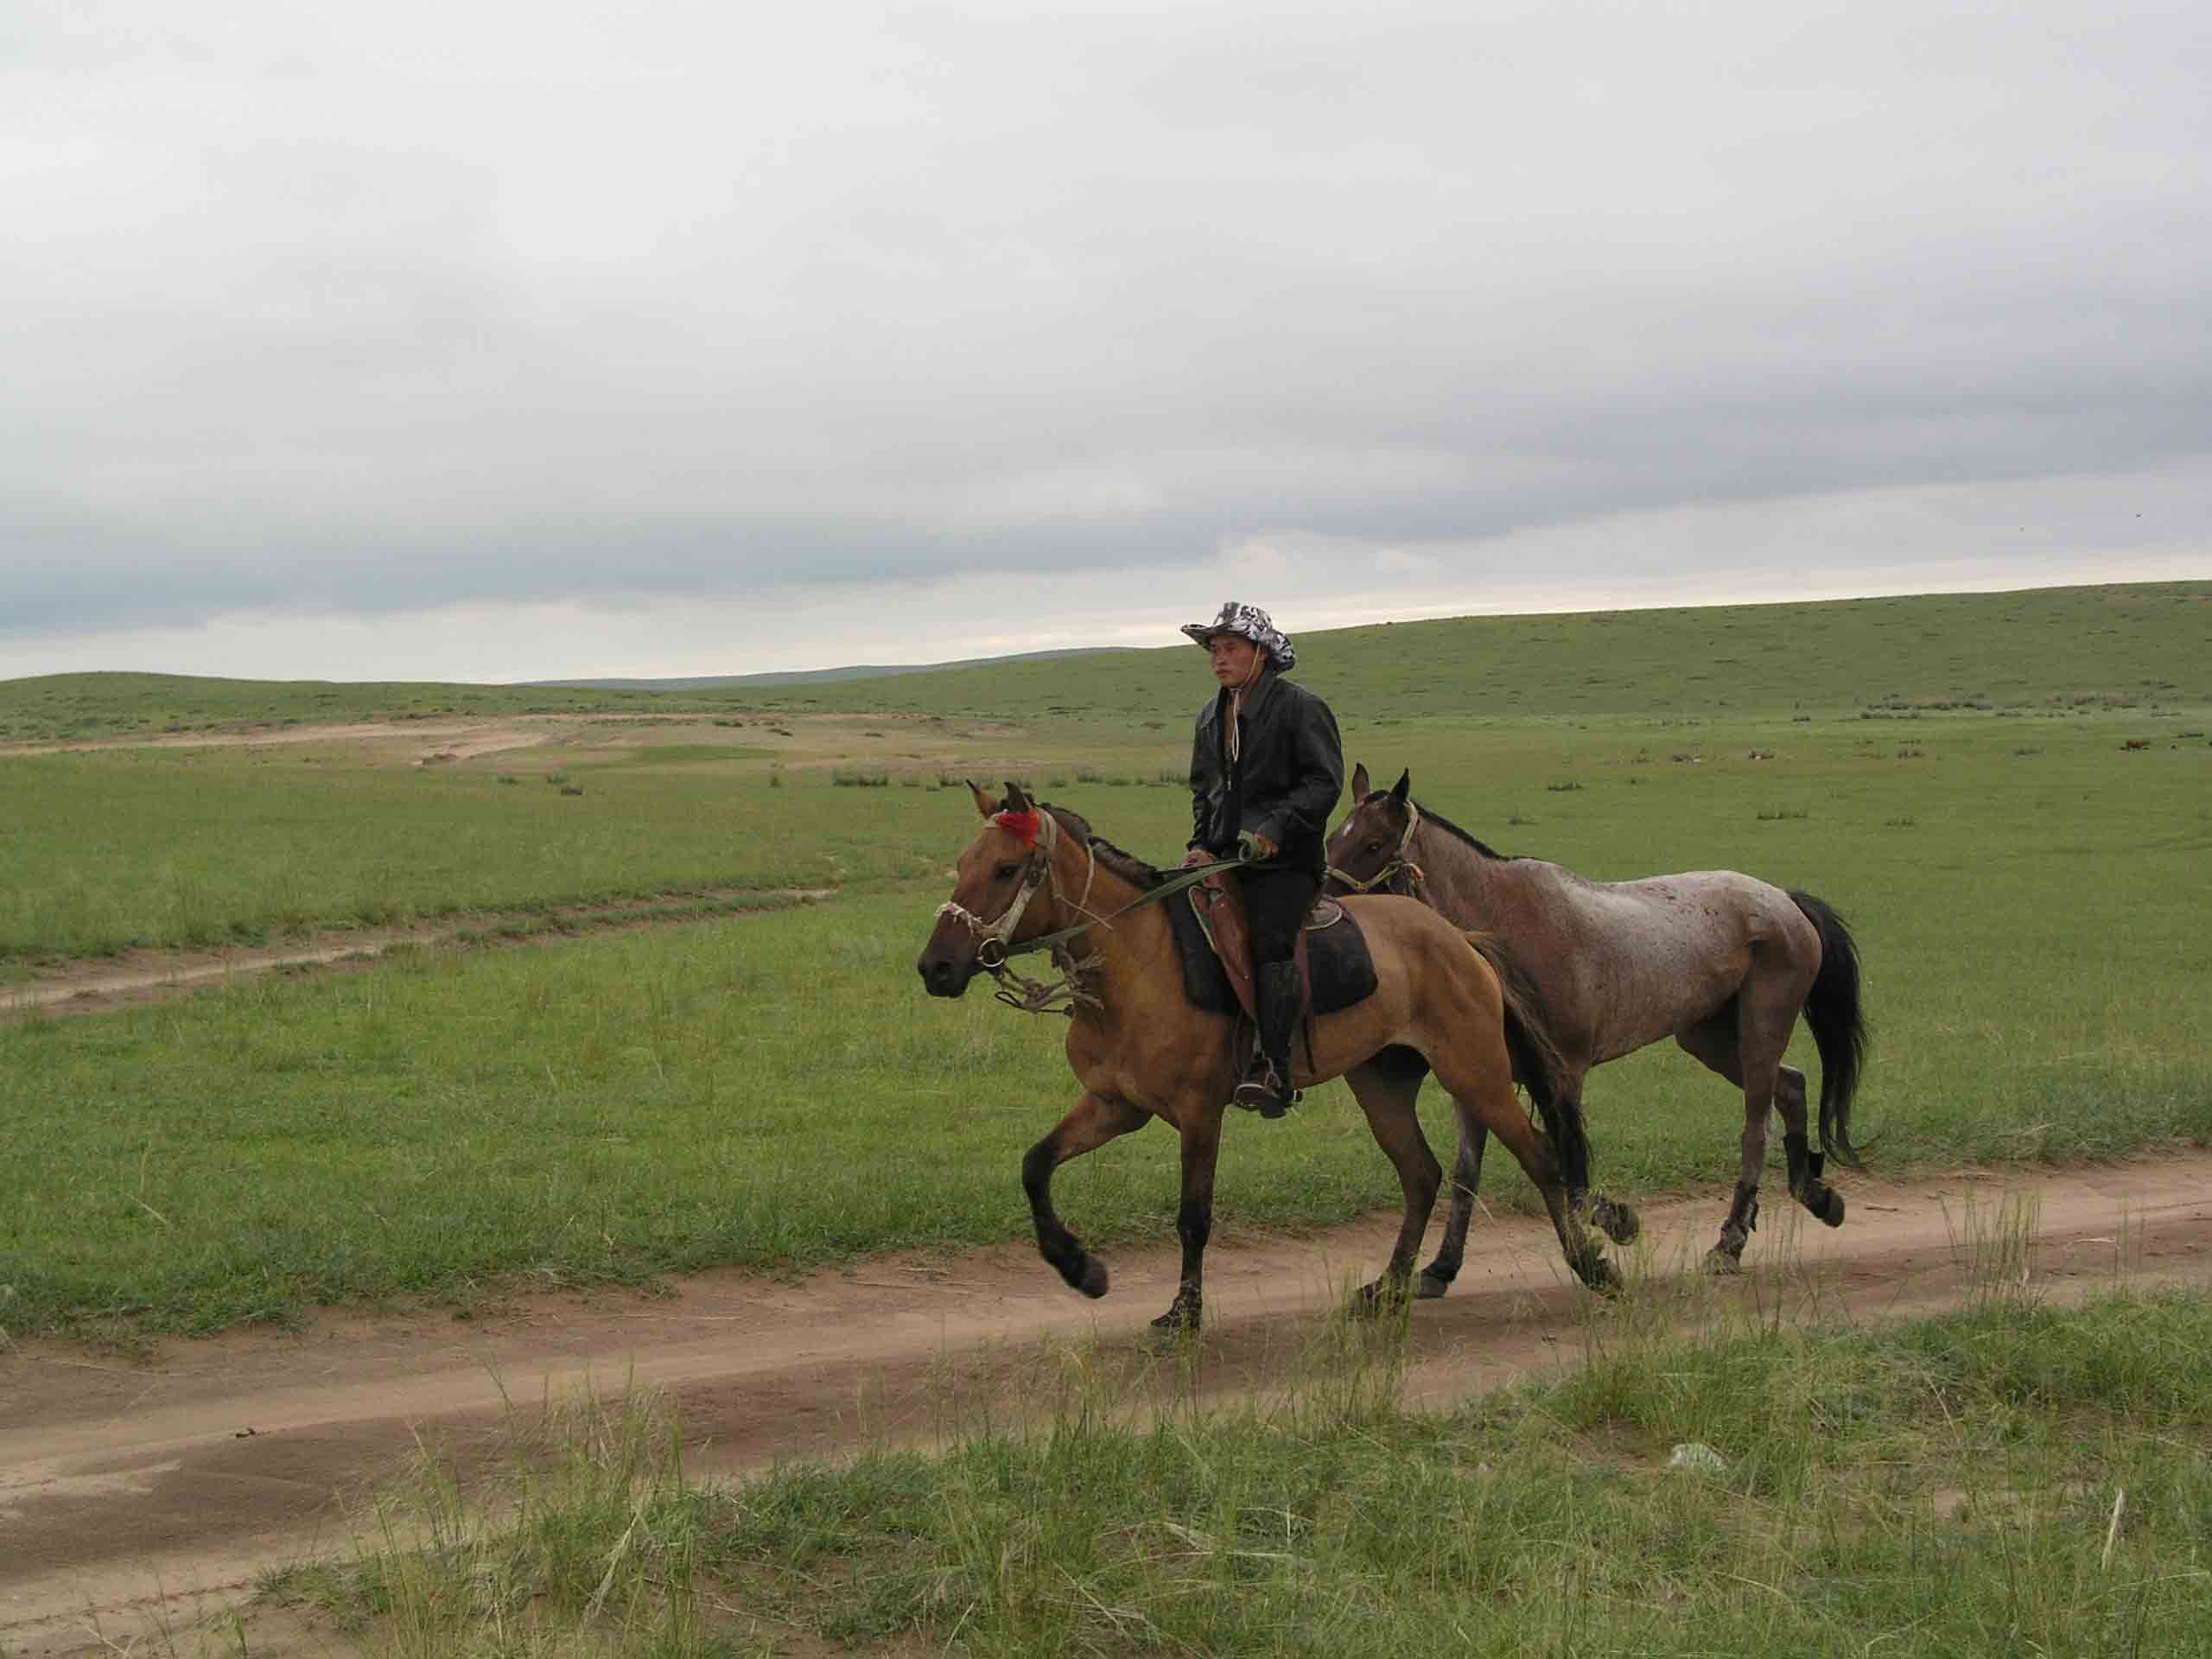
<point>1722,963</point>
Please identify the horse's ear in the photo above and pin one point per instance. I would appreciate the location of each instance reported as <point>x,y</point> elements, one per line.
<point>1015,800</point>
<point>1359,782</point>
<point>984,803</point>
<point>1405,782</point>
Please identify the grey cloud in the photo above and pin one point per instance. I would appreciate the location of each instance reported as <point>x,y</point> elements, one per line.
<point>380,310</point>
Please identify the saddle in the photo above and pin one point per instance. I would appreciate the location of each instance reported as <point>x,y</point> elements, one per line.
<point>1333,960</point>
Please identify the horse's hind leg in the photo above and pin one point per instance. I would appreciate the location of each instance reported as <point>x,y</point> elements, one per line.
<point>1404,1070</point>
<point>1806,1184</point>
<point>1482,1096</point>
<point>1618,1221</point>
<point>1466,1180</point>
<point>1743,1042</point>
<point>1768,1008</point>
<point>1713,1043</point>
<point>1386,1087</point>
<point>1091,1122</point>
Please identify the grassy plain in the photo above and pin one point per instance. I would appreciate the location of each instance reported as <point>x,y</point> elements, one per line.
<point>2014,1478</point>
<point>2146,645</point>
<point>197,847</point>
<point>775,1092</point>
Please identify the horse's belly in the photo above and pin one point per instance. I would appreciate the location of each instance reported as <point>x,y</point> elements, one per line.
<point>1639,1000</point>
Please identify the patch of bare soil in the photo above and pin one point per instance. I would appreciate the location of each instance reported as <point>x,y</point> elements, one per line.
<point>135,1497</point>
<point>461,738</point>
<point>454,738</point>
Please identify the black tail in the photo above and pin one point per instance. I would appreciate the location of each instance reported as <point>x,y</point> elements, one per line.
<point>1838,1026</point>
<point>1537,1067</point>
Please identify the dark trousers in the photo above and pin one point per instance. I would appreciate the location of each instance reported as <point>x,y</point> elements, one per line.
<point>1276,899</point>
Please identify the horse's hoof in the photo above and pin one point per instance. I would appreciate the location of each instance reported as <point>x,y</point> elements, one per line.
<point>1174,1328</point>
<point>1722,1262</point>
<point>1830,1208</point>
<point>1372,1301</point>
<point>1615,1220</point>
<point>1093,1281</point>
<point>1597,1273</point>
<point>1427,1288</point>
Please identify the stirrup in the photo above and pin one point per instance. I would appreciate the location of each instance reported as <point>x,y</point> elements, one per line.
<point>1265,1094</point>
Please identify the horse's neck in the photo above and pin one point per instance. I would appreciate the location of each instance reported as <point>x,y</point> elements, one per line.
<point>1474,888</point>
<point>1129,948</point>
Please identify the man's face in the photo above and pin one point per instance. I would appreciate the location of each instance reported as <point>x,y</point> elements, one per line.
<point>1232,657</point>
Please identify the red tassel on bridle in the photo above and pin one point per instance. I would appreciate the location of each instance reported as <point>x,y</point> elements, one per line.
<point>1023,826</point>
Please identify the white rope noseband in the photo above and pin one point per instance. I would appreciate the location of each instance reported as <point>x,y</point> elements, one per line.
<point>1398,861</point>
<point>1000,932</point>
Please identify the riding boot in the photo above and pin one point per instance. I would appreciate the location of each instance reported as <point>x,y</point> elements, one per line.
<point>1266,1088</point>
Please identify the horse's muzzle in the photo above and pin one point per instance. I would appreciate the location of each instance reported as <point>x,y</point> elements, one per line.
<point>942,975</point>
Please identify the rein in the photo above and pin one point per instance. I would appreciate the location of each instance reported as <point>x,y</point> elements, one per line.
<point>1398,862</point>
<point>1059,996</point>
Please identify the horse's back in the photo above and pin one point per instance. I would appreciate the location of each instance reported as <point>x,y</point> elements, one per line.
<point>1713,906</point>
<point>1411,942</point>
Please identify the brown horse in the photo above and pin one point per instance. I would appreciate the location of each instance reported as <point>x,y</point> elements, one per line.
<point>1722,963</point>
<point>1141,1050</point>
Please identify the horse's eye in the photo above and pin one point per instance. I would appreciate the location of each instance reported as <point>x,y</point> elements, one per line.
<point>1374,846</point>
<point>1008,872</point>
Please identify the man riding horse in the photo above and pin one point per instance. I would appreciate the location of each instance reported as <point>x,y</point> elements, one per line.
<point>1267,766</point>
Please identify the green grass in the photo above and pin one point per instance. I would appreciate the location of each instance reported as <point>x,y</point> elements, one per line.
<point>776,1092</point>
<point>146,848</point>
<point>1943,1488</point>
<point>1960,654</point>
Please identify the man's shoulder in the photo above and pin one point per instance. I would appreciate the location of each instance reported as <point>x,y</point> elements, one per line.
<point>1300,695</point>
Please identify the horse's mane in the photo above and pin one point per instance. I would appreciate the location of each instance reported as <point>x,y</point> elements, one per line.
<point>1432,816</point>
<point>1126,865</point>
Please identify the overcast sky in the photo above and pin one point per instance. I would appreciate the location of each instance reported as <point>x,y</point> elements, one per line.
<point>496,340</point>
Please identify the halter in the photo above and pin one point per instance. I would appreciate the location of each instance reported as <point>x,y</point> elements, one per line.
<point>997,937</point>
<point>1398,861</point>
<point>1000,934</point>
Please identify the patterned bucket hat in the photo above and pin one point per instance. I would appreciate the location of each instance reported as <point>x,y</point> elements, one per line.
<point>1247,622</point>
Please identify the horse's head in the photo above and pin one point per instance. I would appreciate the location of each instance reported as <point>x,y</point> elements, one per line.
<point>1367,849</point>
<point>996,880</point>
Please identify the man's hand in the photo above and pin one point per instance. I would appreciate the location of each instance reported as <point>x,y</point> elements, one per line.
<point>1195,857</point>
<point>1253,844</point>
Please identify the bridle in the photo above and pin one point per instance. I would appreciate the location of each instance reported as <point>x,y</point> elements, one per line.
<point>997,937</point>
<point>1398,862</point>
<point>996,942</point>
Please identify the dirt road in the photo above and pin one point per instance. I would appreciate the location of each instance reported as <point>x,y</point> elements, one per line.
<point>139,977</point>
<point>133,1495</point>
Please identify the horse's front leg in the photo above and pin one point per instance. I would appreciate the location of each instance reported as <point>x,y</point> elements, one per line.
<point>1194,1215</point>
<point>1094,1119</point>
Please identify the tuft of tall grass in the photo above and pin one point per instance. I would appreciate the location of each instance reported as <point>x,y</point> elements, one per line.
<point>2007,1478</point>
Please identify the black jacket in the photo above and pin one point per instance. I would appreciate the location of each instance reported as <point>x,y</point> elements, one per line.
<point>1289,770</point>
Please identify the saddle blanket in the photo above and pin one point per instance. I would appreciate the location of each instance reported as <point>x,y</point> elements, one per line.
<point>1342,970</point>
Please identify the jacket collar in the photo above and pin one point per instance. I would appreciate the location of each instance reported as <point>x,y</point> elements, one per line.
<point>1255,696</point>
